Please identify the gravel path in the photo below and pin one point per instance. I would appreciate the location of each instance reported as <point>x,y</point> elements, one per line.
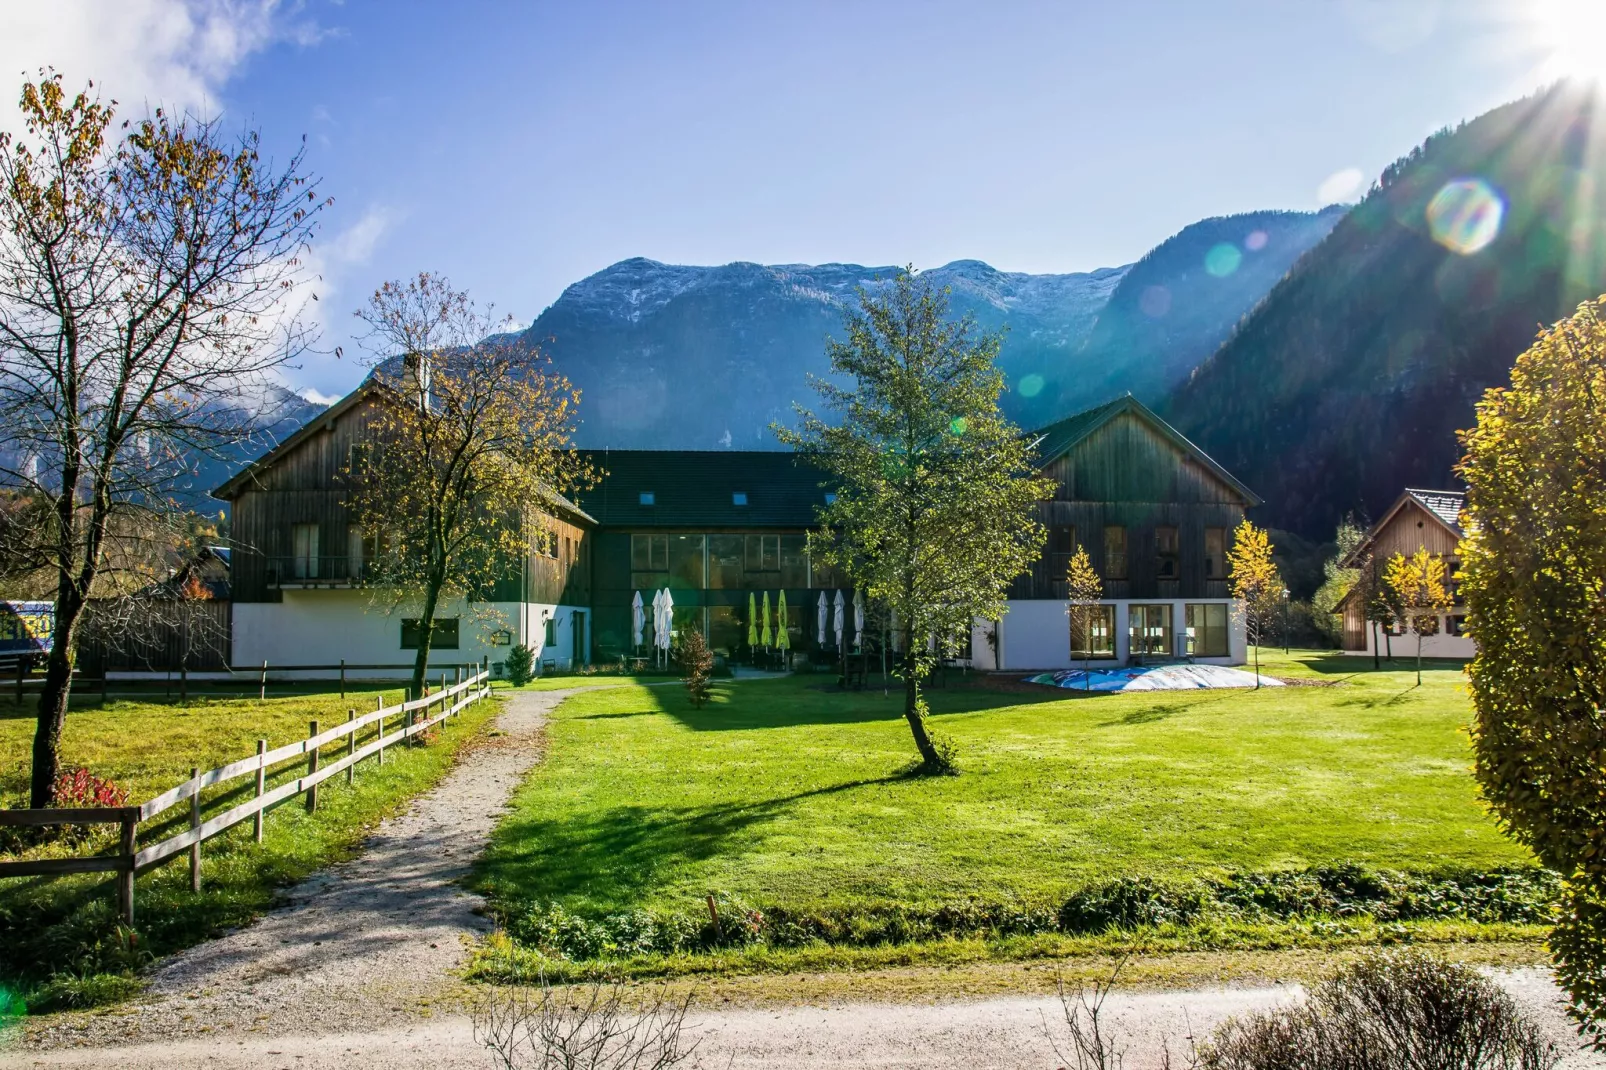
<point>362,945</point>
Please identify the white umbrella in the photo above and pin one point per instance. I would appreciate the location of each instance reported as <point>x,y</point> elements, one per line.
<point>837,622</point>
<point>638,618</point>
<point>858,619</point>
<point>820,620</point>
<point>669,620</point>
<point>657,616</point>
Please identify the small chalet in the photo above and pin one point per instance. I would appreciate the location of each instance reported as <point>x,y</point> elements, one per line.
<point>1429,519</point>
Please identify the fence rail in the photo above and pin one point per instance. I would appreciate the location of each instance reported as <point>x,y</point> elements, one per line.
<point>416,716</point>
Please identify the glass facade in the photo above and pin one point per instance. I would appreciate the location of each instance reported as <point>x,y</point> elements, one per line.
<point>1150,630</point>
<point>1093,632</point>
<point>1207,630</point>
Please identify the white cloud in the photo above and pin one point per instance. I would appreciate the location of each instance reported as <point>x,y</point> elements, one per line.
<point>318,398</point>
<point>355,244</point>
<point>1342,185</point>
<point>177,53</point>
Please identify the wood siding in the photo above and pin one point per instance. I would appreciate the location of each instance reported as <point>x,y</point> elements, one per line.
<point>303,486</point>
<point>1410,528</point>
<point>1128,474</point>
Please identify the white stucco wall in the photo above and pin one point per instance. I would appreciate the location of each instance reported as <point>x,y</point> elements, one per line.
<point>324,627</point>
<point>1442,645</point>
<point>1035,634</point>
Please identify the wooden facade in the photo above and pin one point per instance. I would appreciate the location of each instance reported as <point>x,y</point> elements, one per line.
<point>291,528</point>
<point>1418,519</point>
<point>1171,507</point>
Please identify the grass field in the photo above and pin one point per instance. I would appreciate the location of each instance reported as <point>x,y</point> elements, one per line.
<point>789,794</point>
<point>60,938</point>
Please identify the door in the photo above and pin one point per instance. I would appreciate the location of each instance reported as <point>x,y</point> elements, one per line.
<point>577,644</point>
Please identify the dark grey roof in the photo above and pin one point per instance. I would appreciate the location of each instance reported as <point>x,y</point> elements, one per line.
<point>1058,438</point>
<point>696,488</point>
<point>1444,504</point>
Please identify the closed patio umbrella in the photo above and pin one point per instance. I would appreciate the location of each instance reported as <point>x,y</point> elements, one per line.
<point>669,624</point>
<point>638,619</point>
<point>783,638</point>
<point>819,620</point>
<point>858,619</point>
<point>764,627</point>
<point>657,616</point>
<point>836,621</point>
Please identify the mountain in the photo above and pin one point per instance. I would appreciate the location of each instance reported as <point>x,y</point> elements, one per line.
<point>1351,378</point>
<point>675,356</point>
<point>273,415</point>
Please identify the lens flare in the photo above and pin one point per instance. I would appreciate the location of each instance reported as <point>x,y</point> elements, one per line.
<point>959,425</point>
<point>1465,215</point>
<point>1030,385</point>
<point>1154,302</point>
<point>1256,241</point>
<point>1222,260</point>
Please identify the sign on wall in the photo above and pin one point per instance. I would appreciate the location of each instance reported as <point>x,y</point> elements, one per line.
<point>27,627</point>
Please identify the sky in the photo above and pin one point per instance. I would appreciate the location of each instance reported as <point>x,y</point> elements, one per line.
<point>519,147</point>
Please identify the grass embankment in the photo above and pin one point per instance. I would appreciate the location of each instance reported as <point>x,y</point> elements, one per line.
<point>61,941</point>
<point>1203,819</point>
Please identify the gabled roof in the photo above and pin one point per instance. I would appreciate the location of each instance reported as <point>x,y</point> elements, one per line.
<point>240,481</point>
<point>1060,438</point>
<point>698,488</point>
<point>1444,506</point>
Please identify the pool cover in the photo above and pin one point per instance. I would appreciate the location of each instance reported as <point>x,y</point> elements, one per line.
<point>1152,678</point>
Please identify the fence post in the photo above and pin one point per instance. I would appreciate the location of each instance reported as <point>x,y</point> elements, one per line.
<point>183,681</point>
<point>125,879</point>
<point>103,686</point>
<point>342,678</point>
<point>262,682</point>
<point>312,767</point>
<point>262,784</point>
<point>457,675</point>
<point>20,661</point>
<point>381,736</point>
<point>195,823</point>
<point>351,746</point>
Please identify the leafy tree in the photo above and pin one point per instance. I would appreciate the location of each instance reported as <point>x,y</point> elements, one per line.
<point>520,665</point>
<point>148,282</point>
<point>1255,583</point>
<point>1337,581</point>
<point>1418,586</point>
<point>696,665</point>
<point>935,491</point>
<point>468,445</point>
<point>1084,590</point>
<point>1532,565</point>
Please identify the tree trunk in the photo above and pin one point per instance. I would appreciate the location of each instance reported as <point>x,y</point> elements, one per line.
<point>53,698</point>
<point>426,635</point>
<point>1257,659</point>
<point>911,705</point>
<point>1418,659</point>
<point>1376,647</point>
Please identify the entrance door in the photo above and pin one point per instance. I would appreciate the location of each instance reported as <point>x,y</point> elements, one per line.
<point>1150,634</point>
<point>577,644</point>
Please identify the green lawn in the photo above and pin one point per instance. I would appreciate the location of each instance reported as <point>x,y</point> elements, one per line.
<point>60,938</point>
<point>788,794</point>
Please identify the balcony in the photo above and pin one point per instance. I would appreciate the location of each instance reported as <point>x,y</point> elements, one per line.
<point>312,572</point>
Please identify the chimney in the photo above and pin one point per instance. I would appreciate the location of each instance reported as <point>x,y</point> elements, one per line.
<point>415,378</point>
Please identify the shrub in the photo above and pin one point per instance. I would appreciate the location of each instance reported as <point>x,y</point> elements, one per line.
<point>71,992</point>
<point>697,666</point>
<point>520,665</point>
<point>1401,1010</point>
<point>80,787</point>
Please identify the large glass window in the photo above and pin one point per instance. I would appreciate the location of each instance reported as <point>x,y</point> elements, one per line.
<point>794,561</point>
<point>763,560</point>
<point>686,562</point>
<point>304,539</point>
<point>1093,631</point>
<point>649,561</point>
<point>725,629</point>
<point>725,562</point>
<point>1115,552</point>
<point>1150,629</point>
<point>1207,630</point>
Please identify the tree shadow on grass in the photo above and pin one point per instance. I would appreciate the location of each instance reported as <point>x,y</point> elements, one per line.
<point>614,857</point>
<point>1163,711</point>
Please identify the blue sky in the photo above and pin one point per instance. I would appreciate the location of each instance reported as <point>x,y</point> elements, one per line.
<point>520,147</point>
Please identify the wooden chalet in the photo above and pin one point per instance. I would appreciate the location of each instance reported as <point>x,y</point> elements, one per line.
<point>1418,519</point>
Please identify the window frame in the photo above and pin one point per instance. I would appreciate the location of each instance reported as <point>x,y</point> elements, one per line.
<point>1115,552</point>
<point>1191,639</point>
<point>1167,541</point>
<point>437,640</point>
<point>1215,564</point>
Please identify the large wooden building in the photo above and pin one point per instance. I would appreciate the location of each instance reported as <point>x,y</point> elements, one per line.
<point>718,528</point>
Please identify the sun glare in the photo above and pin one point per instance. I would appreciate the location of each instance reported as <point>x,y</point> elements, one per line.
<point>1571,32</point>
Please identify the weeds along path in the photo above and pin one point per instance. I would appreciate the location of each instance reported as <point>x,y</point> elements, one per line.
<point>361,945</point>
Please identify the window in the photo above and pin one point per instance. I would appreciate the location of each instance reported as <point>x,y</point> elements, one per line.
<point>648,498</point>
<point>686,562</point>
<point>794,561</point>
<point>1455,624</point>
<point>649,561</point>
<point>1093,631</point>
<point>725,562</point>
<point>1165,550</point>
<point>1215,553</point>
<point>830,497</point>
<point>357,459</point>
<point>1150,629</point>
<point>763,553</point>
<point>550,635</point>
<point>443,634</point>
<point>1207,629</point>
<point>738,497</point>
<point>1115,553</point>
<point>568,549</point>
<point>304,540</point>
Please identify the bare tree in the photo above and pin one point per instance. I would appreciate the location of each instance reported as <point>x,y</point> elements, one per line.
<point>468,453</point>
<point>147,286</point>
<point>582,1028</point>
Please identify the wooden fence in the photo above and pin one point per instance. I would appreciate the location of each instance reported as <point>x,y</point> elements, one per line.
<point>416,717</point>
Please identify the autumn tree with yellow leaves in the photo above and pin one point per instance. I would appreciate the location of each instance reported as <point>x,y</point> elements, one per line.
<point>1255,583</point>
<point>1417,585</point>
